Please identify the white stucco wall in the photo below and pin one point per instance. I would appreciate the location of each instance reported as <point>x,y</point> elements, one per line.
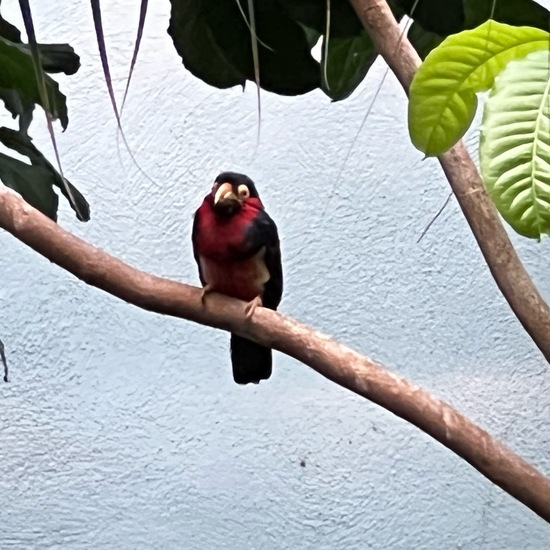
<point>123,429</point>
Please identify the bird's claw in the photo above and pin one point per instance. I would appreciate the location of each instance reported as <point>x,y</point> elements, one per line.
<point>251,307</point>
<point>207,289</point>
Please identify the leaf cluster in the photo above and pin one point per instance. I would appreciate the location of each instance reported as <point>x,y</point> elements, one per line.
<point>213,38</point>
<point>513,63</point>
<point>21,91</point>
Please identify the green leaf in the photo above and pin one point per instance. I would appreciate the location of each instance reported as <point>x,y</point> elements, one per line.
<point>443,92</point>
<point>33,183</point>
<point>515,144</point>
<point>213,40</point>
<point>18,74</point>
<point>347,63</point>
<point>23,144</point>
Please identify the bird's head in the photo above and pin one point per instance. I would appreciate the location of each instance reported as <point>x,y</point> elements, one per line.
<point>230,192</point>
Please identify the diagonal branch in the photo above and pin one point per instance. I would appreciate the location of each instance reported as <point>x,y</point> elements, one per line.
<point>329,358</point>
<point>509,273</point>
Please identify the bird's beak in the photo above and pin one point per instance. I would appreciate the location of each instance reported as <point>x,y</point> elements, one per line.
<point>226,202</point>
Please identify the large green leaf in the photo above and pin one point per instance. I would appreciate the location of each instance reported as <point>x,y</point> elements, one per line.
<point>443,92</point>
<point>515,144</point>
<point>17,73</point>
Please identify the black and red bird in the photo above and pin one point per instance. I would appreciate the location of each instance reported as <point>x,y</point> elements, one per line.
<point>236,246</point>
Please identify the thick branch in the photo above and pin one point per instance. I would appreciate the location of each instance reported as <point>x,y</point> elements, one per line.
<point>334,361</point>
<point>511,277</point>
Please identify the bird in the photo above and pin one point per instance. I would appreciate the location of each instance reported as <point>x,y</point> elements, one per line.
<point>237,249</point>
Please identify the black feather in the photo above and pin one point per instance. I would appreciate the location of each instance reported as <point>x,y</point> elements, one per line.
<point>237,179</point>
<point>251,362</point>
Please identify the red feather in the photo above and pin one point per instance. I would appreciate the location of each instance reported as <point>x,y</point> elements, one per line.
<point>221,248</point>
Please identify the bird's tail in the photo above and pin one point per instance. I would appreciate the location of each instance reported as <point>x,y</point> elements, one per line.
<point>251,362</point>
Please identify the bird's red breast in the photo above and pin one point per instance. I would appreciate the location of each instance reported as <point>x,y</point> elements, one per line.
<point>222,249</point>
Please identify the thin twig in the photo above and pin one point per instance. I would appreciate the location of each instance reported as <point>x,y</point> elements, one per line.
<point>432,221</point>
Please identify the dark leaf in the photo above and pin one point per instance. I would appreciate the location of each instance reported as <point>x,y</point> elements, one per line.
<point>349,59</point>
<point>55,58</point>
<point>512,12</point>
<point>312,36</point>
<point>428,31</point>
<point>196,41</point>
<point>313,14</point>
<point>22,143</point>
<point>18,106</point>
<point>59,58</point>
<point>213,40</point>
<point>9,31</point>
<point>422,40</point>
<point>438,16</point>
<point>310,13</point>
<point>18,74</point>
<point>33,183</point>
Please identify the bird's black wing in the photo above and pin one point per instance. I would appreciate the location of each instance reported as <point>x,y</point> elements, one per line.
<point>261,233</point>
<point>194,237</point>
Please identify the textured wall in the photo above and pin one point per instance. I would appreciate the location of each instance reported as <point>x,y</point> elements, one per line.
<point>123,429</point>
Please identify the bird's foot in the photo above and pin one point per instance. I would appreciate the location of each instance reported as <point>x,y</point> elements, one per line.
<point>207,289</point>
<point>251,307</point>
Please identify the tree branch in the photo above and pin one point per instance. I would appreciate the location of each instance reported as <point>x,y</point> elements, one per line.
<point>509,273</point>
<point>329,358</point>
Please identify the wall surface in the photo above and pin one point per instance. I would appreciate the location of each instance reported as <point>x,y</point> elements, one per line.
<point>123,429</point>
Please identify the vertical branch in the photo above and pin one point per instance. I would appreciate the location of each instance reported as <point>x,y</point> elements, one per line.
<point>509,273</point>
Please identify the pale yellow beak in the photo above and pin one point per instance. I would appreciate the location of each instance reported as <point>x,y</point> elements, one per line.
<point>225,192</point>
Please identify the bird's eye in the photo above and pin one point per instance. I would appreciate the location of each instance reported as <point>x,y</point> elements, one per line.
<point>243,192</point>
